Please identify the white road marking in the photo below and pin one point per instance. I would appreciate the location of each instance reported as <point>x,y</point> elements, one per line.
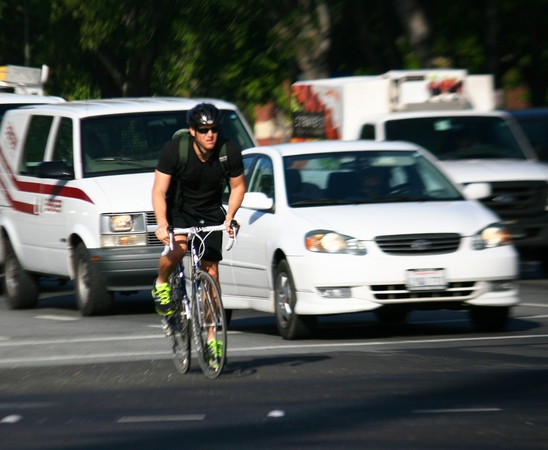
<point>11,419</point>
<point>177,418</point>
<point>395,342</point>
<point>454,410</point>
<point>32,405</point>
<point>75,340</point>
<point>538,305</point>
<point>52,317</point>
<point>535,317</point>
<point>240,350</point>
<point>276,413</point>
<point>82,357</point>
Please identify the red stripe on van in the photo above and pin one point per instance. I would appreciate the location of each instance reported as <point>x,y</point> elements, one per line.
<point>37,188</point>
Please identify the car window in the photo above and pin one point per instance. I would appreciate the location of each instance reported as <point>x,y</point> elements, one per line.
<point>35,144</point>
<point>262,179</point>
<point>458,137</point>
<point>131,143</point>
<point>63,149</point>
<point>364,177</point>
<point>368,132</point>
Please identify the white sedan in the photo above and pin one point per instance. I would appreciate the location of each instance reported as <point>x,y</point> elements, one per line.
<point>340,227</point>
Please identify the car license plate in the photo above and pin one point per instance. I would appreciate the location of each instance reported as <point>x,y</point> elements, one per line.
<point>426,279</point>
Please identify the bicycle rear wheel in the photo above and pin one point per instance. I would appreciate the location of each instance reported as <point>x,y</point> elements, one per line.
<point>180,328</point>
<point>209,324</point>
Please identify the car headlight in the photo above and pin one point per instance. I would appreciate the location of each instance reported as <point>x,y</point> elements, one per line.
<point>323,241</point>
<point>492,236</point>
<point>123,230</point>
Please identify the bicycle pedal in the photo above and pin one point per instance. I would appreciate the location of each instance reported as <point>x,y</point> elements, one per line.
<point>166,327</point>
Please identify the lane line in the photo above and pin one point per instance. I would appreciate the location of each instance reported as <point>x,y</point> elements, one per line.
<point>11,419</point>
<point>6,342</point>
<point>177,418</point>
<point>454,410</point>
<point>26,405</point>
<point>52,317</point>
<point>81,357</point>
<point>240,350</point>
<point>75,340</point>
<point>402,342</point>
<point>538,305</point>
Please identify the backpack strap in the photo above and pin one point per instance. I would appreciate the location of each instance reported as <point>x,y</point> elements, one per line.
<point>182,135</point>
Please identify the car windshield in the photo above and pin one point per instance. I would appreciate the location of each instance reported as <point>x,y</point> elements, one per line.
<point>458,137</point>
<point>131,143</point>
<point>364,177</point>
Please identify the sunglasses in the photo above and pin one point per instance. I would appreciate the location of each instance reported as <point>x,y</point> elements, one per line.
<point>214,130</point>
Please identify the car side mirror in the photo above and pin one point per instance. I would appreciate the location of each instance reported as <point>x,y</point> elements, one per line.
<point>258,201</point>
<point>476,191</point>
<point>54,169</point>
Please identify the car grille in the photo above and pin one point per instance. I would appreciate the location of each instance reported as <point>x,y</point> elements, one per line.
<point>455,291</point>
<point>517,198</point>
<point>151,237</point>
<point>419,244</point>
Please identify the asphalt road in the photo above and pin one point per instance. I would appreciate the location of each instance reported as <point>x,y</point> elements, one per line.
<point>68,382</point>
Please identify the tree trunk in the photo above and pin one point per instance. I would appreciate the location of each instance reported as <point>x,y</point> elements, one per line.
<point>413,20</point>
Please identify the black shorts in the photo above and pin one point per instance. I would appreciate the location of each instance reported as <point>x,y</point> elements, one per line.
<point>188,217</point>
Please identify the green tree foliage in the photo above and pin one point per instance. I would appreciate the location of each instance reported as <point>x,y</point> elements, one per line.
<point>247,50</point>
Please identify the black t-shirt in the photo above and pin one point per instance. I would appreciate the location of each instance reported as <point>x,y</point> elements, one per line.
<point>201,183</point>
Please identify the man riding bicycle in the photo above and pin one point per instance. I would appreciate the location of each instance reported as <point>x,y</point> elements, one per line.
<point>195,197</point>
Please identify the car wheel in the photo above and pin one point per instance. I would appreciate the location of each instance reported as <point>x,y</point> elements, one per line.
<point>391,315</point>
<point>290,325</point>
<point>489,318</point>
<point>21,288</point>
<point>92,298</point>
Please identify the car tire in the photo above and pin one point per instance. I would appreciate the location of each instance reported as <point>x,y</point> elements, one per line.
<point>490,318</point>
<point>21,288</point>
<point>391,315</point>
<point>290,325</point>
<point>92,298</point>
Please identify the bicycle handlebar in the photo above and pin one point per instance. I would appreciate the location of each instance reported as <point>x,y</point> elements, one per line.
<point>206,229</point>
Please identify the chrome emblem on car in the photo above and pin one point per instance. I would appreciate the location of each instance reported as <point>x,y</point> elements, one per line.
<point>421,244</point>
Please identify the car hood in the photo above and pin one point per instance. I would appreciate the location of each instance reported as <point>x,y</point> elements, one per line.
<point>481,170</point>
<point>126,193</point>
<point>367,221</point>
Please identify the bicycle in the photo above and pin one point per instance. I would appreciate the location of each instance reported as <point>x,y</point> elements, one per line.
<point>200,315</point>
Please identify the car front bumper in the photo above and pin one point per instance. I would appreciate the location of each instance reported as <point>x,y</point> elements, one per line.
<point>126,269</point>
<point>335,284</point>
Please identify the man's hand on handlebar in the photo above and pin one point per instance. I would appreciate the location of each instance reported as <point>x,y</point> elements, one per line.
<point>232,228</point>
<point>162,233</point>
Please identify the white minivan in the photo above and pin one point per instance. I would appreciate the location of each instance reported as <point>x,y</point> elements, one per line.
<point>75,197</point>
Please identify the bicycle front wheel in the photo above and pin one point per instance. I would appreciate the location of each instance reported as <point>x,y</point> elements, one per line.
<point>180,328</point>
<point>209,324</point>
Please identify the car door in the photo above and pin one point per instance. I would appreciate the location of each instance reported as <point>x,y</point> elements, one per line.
<point>56,206</point>
<point>30,191</point>
<point>250,261</point>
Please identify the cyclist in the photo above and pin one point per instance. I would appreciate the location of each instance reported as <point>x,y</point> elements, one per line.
<point>198,196</point>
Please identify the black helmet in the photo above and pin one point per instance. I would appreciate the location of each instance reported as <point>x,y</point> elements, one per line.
<point>203,114</point>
